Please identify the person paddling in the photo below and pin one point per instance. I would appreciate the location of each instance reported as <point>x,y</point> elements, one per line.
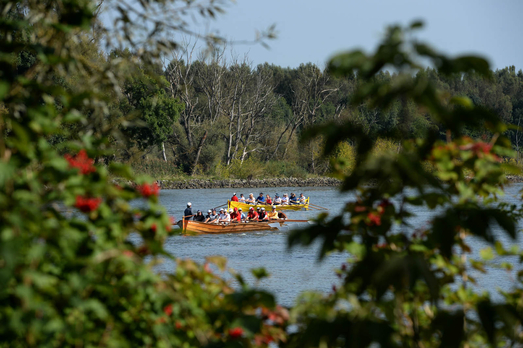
<point>252,215</point>
<point>250,199</point>
<point>293,199</point>
<point>282,215</point>
<point>273,215</point>
<point>260,198</point>
<point>242,199</point>
<point>242,214</point>
<point>263,215</point>
<point>199,216</point>
<point>234,198</point>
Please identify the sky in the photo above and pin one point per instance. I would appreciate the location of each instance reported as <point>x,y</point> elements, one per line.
<point>312,31</point>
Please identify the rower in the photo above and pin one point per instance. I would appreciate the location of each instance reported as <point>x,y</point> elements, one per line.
<point>250,199</point>
<point>219,216</point>
<point>242,199</point>
<point>234,198</point>
<point>281,215</point>
<point>268,200</point>
<point>199,216</point>
<point>252,215</point>
<point>285,199</point>
<point>302,199</point>
<point>242,215</point>
<point>235,216</point>
<point>188,211</point>
<point>263,215</point>
<point>208,217</point>
<point>293,199</point>
<point>273,215</point>
<point>260,198</point>
<point>277,200</point>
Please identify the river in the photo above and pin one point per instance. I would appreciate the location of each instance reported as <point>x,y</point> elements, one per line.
<point>297,270</point>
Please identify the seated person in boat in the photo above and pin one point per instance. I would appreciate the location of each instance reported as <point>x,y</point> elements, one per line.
<point>199,216</point>
<point>293,199</point>
<point>273,215</point>
<point>268,200</point>
<point>277,200</point>
<point>242,199</point>
<point>250,199</point>
<point>285,199</point>
<point>187,213</point>
<point>242,214</point>
<point>235,215</point>
<point>263,215</point>
<point>260,198</point>
<point>281,215</point>
<point>302,199</point>
<point>224,216</point>
<point>252,215</point>
<point>234,198</point>
<point>211,216</point>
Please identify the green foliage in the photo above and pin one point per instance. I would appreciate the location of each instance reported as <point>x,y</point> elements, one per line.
<point>69,274</point>
<point>411,286</point>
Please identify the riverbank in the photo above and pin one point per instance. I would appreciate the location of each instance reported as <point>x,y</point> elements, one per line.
<point>245,183</point>
<point>273,182</point>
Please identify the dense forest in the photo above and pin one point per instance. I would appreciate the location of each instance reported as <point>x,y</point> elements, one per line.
<point>214,114</point>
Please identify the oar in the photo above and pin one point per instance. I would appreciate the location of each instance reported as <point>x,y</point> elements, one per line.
<point>315,205</point>
<point>290,220</point>
<point>221,206</point>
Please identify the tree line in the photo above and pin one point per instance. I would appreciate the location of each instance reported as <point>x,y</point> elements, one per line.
<point>206,110</point>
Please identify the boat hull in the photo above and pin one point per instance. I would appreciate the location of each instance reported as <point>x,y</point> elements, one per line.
<point>202,227</point>
<point>245,207</point>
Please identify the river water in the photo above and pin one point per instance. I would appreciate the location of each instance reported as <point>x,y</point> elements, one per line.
<point>297,270</point>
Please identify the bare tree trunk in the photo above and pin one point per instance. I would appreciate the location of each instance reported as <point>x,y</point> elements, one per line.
<point>163,152</point>
<point>200,146</point>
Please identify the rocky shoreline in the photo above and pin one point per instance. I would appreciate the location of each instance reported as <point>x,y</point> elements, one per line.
<point>254,183</point>
<point>258,183</point>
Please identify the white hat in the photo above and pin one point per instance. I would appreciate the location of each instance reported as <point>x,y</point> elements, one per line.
<point>189,204</point>
<point>234,194</point>
<point>239,209</point>
<point>209,211</point>
<point>231,210</point>
<point>263,208</point>
<point>273,207</point>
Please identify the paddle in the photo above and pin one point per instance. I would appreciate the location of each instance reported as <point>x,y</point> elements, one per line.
<point>319,206</point>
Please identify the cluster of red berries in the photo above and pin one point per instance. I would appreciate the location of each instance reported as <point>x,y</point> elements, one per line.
<point>148,190</point>
<point>82,162</point>
<point>86,204</point>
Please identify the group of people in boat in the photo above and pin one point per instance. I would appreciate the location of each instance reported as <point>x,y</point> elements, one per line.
<point>222,215</point>
<point>267,200</point>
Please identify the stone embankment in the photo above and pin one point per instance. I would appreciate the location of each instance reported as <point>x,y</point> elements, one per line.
<point>254,183</point>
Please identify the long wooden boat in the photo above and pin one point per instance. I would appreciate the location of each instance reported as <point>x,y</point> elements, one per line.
<point>245,206</point>
<point>232,227</point>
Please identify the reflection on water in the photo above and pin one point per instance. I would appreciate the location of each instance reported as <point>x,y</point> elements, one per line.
<point>296,270</point>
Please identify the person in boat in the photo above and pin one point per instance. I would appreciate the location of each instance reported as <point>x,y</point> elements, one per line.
<point>282,215</point>
<point>263,215</point>
<point>285,199</point>
<point>224,216</point>
<point>235,215</point>
<point>277,200</point>
<point>211,216</point>
<point>242,199</point>
<point>293,199</point>
<point>260,198</point>
<point>187,213</point>
<point>273,215</point>
<point>302,199</point>
<point>234,198</point>
<point>199,216</point>
<point>242,214</point>
<point>250,199</point>
<point>268,200</point>
<point>252,215</point>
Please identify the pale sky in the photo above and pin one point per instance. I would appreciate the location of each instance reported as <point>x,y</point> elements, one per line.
<point>311,31</point>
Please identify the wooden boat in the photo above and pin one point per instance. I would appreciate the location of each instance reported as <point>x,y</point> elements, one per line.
<point>232,227</point>
<point>245,206</point>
